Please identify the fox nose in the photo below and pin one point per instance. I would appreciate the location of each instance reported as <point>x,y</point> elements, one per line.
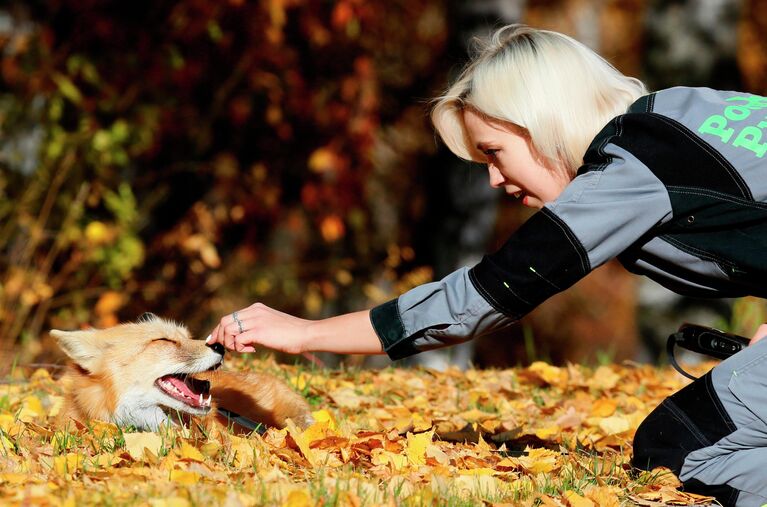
<point>218,349</point>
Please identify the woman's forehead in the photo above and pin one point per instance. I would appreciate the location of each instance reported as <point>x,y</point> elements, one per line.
<point>474,119</point>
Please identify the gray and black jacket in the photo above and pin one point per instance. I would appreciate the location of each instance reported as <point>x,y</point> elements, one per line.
<point>676,189</point>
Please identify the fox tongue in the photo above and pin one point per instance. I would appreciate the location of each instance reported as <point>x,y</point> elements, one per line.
<point>185,394</point>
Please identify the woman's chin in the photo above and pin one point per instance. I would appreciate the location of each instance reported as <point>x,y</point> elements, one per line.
<point>532,202</point>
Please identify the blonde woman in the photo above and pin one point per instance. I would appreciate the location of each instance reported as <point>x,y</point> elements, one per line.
<point>671,183</point>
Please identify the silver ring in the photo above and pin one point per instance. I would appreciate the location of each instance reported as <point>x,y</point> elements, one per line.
<point>237,320</point>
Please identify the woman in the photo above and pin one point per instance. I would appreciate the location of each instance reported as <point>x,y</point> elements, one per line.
<point>670,183</point>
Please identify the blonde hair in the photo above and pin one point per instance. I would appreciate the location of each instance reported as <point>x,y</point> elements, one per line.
<point>560,91</point>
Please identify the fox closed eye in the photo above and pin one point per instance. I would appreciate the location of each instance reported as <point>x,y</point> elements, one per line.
<point>165,340</point>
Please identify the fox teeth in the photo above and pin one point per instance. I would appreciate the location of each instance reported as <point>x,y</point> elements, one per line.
<point>210,397</point>
<point>517,195</point>
<point>200,401</point>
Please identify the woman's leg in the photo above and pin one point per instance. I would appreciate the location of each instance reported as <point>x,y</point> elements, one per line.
<point>713,433</point>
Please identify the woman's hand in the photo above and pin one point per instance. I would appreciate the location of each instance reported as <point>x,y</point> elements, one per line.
<point>761,332</point>
<point>352,333</point>
<point>261,326</point>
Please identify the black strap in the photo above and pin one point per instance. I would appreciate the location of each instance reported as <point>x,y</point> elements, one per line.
<point>242,421</point>
<point>670,351</point>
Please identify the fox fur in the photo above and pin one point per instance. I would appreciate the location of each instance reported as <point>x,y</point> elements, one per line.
<point>150,372</point>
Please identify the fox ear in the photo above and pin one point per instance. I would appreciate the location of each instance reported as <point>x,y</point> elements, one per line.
<point>82,347</point>
<point>147,316</point>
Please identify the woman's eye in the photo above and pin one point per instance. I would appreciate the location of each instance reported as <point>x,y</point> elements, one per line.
<point>490,153</point>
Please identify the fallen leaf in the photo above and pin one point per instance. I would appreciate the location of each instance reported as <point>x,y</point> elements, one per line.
<point>135,443</point>
<point>417,445</point>
<point>576,500</point>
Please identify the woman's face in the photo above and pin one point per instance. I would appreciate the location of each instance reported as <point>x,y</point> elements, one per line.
<point>513,162</point>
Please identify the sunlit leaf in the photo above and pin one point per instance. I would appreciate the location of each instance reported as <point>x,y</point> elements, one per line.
<point>135,443</point>
<point>417,445</point>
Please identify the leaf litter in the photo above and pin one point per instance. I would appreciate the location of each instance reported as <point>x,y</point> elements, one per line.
<point>540,435</point>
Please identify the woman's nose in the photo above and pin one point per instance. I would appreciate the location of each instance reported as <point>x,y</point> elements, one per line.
<point>496,178</point>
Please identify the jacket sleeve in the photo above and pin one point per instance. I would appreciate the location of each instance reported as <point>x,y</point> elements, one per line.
<point>434,315</point>
<point>608,207</point>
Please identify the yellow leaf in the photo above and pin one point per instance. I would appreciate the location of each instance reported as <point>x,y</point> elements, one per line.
<point>603,408</point>
<point>31,408</point>
<point>103,429</point>
<point>476,415</point>
<point>317,431</point>
<point>438,454</point>
<point>382,457</point>
<point>603,496</point>
<point>10,425</point>
<point>190,452</point>
<point>614,425</point>
<point>550,374</point>
<point>421,423</point>
<point>243,451</point>
<point>6,446</point>
<point>325,416</point>
<point>662,476</point>
<point>490,425</point>
<point>40,430</point>
<point>482,446</point>
<point>210,448</point>
<point>136,442</point>
<point>539,460</point>
<point>67,463</point>
<point>57,402</point>
<point>302,442</point>
<point>478,471</point>
<point>576,500</point>
<point>298,498</point>
<point>185,477</point>
<point>173,501</point>
<point>12,478</point>
<point>507,464</point>
<point>300,381</point>
<point>40,374</point>
<point>416,447</point>
<point>605,378</point>
<point>547,433</point>
<point>105,460</point>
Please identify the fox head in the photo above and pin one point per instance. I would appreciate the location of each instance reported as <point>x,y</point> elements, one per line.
<point>139,373</point>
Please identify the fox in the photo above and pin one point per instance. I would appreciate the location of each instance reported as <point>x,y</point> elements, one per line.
<point>150,372</point>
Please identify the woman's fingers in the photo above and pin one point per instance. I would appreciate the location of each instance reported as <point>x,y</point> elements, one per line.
<point>760,333</point>
<point>260,325</point>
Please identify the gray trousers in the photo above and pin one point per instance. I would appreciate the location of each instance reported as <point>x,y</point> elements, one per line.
<point>739,459</point>
<point>713,432</point>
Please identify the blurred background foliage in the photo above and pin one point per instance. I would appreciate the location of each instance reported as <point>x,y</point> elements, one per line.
<point>192,157</point>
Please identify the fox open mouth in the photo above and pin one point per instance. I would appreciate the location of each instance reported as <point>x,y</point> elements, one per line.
<point>190,391</point>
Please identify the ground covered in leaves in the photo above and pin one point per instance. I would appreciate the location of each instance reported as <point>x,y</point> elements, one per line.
<point>542,435</point>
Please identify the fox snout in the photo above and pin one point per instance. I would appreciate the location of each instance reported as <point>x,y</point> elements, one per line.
<point>218,349</point>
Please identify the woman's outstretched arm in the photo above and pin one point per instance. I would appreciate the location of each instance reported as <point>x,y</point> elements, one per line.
<point>263,326</point>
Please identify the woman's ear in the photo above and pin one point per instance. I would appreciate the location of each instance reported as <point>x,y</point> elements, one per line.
<point>83,347</point>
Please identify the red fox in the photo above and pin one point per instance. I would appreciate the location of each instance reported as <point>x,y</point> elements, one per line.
<point>151,372</point>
